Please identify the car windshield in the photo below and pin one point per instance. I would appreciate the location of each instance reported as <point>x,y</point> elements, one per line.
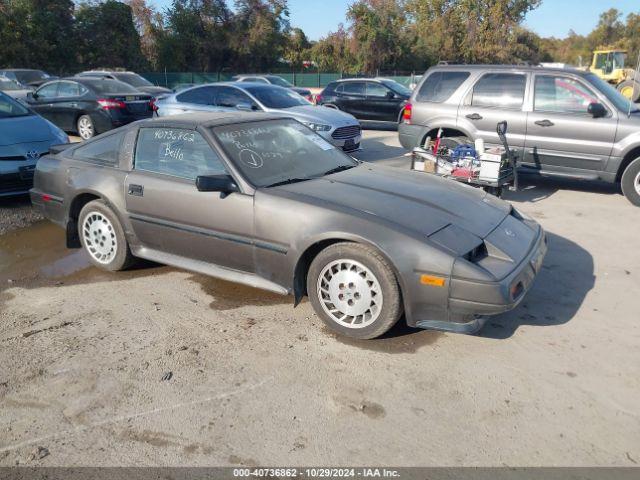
<point>397,87</point>
<point>276,152</point>
<point>133,79</point>
<point>10,108</point>
<point>615,97</point>
<point>277,97</point>
<point>281,82</point>
<point>106,86</point>
<point>29,76</point>
<point>6,85</point>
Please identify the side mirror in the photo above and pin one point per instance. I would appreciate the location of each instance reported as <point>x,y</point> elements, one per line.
<point>245,107</point>
<point>390,95</point>
<point>597,110</point>
<point>216,183</point>
<point>32,96</point>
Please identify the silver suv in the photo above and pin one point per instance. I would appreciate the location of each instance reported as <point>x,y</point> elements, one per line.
<point>563,122</point>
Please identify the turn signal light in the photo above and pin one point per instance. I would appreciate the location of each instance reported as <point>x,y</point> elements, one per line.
<point>406,114</point>
<point>432,280</point>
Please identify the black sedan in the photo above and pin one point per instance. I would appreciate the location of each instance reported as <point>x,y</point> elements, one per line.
<point>89,106</point>
<point>131,78</point>
<point>377,99</point>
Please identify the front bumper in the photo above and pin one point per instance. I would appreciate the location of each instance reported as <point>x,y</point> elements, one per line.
<point>470,302</point>
<point>349,144</point>
<point>17,180</point>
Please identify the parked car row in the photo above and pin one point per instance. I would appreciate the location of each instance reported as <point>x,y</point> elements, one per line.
<point>562,122</point>
<point>339,128</point>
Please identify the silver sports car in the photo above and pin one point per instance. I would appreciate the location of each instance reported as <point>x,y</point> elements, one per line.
<point>339,128</point>
<point>263,200</point>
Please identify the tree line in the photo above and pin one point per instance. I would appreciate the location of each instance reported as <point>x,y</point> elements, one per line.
<point>63,36</point>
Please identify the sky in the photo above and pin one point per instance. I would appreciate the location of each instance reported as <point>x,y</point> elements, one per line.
<point>552,18</point>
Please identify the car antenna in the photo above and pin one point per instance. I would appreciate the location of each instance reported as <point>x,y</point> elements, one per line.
<point>633,89</point>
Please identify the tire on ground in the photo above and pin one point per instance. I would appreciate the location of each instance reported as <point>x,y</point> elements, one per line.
<point>123,257</point>
<point>634,85</point>
<point>372,259</point>
<point>85,118</point>
<point>630,182</point>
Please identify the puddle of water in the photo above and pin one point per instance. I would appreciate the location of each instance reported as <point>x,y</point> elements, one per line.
<point>38,252</point>
<point>38,249</point>
<point>228,295</point>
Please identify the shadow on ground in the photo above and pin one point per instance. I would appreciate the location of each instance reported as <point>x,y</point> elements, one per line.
<point>534,189</point>
<point>566,278</point>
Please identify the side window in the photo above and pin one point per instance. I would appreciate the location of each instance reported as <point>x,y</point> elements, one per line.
<point>375,89</point>
<point>48,91</point>
<point>439,86</point>
<point>561,95</point>
<point>176,152</point>
<point>231,97</point>
<point>339,88</point>
<point>200,96</point>
<point>68,89</point>
<point>353,88</point>
<point>102,150</point>
<point>503,90</point>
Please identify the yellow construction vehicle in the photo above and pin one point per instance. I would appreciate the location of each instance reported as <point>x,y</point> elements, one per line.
<point>608,64</point>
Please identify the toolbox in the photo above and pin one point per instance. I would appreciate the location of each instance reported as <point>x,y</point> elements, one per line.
<point>491,170</point>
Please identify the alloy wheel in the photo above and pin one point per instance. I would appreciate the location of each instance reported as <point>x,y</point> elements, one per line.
<point>99,237</point>
<point>85,128</point>
<point>349,293</point>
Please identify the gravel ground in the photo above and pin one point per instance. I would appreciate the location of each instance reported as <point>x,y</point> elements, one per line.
<point>16,212</point>
<point>158,366</point>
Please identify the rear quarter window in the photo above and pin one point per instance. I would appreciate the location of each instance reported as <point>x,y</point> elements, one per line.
<point>439,86</point>
<point>103,151</point>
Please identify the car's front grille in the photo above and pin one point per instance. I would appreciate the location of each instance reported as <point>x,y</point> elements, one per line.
<point>13,182</point>
<point>344,133</point>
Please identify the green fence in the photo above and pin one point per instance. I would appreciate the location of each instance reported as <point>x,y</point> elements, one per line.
<point>308,80</point>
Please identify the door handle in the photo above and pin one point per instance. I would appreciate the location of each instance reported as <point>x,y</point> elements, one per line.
<point>474,116</point>
<point>544,123</point>
<point>135,190</point>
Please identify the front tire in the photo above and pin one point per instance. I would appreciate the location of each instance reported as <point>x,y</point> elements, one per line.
<point>103,238</point>
<point>630,182</point>
<point>354,291</point>
<point>85,127</point>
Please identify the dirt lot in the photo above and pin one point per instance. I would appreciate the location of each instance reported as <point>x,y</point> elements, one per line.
<point>159,366</point>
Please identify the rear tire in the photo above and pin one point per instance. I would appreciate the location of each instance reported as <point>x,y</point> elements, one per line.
<point>630,89</point>
<point>630,182</point>
<point>103,238</point>
<point>85,127</point>
<point>354,291</point>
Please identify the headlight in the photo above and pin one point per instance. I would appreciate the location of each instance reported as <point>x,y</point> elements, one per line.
<point>318,127</point>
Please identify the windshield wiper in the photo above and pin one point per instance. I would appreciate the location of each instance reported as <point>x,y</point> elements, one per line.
<point>339,168</point>
<point>287,182</point>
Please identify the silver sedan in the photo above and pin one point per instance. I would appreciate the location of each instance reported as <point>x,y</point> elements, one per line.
<point>339,128</point>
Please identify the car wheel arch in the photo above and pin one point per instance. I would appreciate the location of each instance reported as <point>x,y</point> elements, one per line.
<point>446,132</point>
<point>76,205</point>
<point>626,161</point>
<point>313,249</point>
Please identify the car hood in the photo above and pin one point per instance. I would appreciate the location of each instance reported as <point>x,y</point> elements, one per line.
<point>17,93</point>
<point>29,128</point>
<point>312,113</point>
<point>416,201</point>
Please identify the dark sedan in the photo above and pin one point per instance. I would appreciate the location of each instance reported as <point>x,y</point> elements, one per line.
<point>376,99</point>
<point>265,201</point>
<point>130,78</point>
<point>26,77</point>
<point>88,106</point>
